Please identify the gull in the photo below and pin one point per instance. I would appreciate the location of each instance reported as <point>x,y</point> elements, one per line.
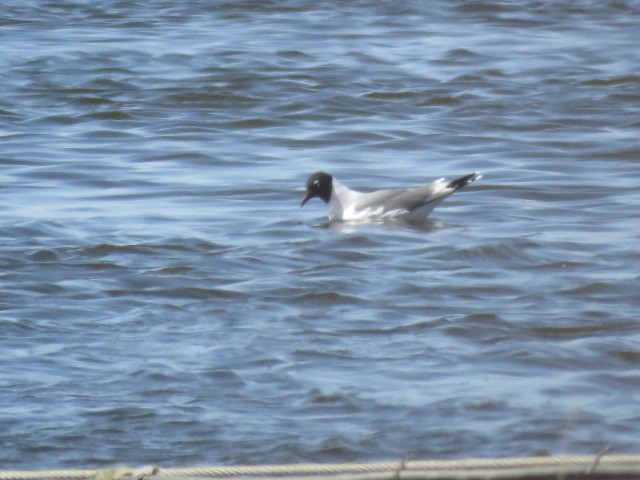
<point>409,203</point>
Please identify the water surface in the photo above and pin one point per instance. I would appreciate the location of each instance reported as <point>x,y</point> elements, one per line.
<point>164,300</point>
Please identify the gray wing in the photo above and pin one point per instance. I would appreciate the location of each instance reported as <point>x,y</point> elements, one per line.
<point>407,199</point>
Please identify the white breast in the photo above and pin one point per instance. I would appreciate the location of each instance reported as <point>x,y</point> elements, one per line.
<point>342,201</point>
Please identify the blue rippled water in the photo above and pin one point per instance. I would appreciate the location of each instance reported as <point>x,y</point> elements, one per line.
<point>163,299</point>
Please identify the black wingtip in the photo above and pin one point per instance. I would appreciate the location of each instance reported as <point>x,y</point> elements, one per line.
<point>464,181</point>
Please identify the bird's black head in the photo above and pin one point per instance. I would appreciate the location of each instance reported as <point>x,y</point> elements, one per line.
<point>318,185</point>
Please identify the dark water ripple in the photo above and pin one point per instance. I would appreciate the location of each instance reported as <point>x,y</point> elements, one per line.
<point>164,300</point>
